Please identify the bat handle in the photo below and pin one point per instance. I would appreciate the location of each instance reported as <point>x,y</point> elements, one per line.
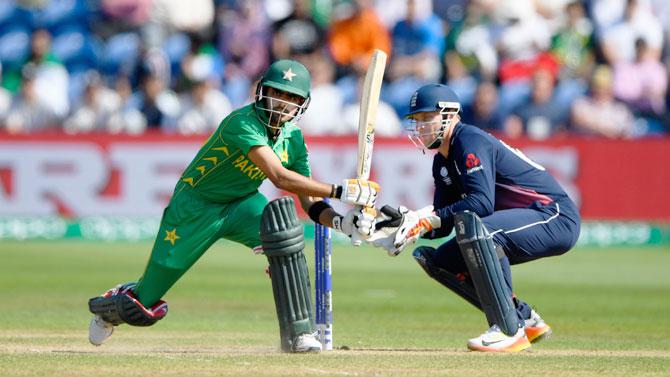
<point>356,238</point>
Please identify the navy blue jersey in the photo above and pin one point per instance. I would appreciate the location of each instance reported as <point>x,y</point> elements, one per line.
<point>483,174</point>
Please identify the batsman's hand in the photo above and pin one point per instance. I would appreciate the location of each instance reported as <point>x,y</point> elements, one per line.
<point>358,192</point>
<point>357,220</point>
<point>395,229</point>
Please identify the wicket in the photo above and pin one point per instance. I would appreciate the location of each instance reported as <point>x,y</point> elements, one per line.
<point>324,285</point>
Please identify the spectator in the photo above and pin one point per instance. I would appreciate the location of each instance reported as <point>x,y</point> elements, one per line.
<point>553,11</point>
<point>5,101</point>
<point>541,118</point>
<point>167,16</point>
<point>28,113</point>
<point>387,123</point>
<point>203,59</point>
<point>418,42</point>
<point>122,16</point>
<point>324,114</point>
<point>473,42</point>
<point>523,47</point>
<point>244,37</point>
<point>98,106</point>
<point>297,34</point>
<point>641,84</point>
<point>49,78</point>
<point>523,42</point>
<point>638,22</point>
<point>599,114</point>
<point>159,105</point>
<point>483,110</point>
<point>128,119</point>
<point>203,108</point>
<point>354,37</point>
<point>572,45</point>
<point>459,79</point>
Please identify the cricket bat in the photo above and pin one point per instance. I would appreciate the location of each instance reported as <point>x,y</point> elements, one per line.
<point>366,120</point>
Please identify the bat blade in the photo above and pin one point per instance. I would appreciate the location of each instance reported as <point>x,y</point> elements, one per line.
<point>366,122</point>
<point>368,113</point>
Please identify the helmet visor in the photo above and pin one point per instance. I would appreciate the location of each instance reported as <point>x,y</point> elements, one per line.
<point>279,106</point>
<point>426,129</point>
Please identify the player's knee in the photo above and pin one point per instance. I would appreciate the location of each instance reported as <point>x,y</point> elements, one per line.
<point>119,305</point>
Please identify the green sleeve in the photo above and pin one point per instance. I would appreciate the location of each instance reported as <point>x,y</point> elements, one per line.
<point>242,133</point>
<point>301,163</point>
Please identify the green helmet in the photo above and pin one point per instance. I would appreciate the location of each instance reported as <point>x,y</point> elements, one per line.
<point>288,76</point>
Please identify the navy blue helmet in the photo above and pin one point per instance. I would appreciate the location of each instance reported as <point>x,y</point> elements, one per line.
<point>434,97</point>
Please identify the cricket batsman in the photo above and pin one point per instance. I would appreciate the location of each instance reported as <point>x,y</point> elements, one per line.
<point>217,197</point>
<point>505,208</point>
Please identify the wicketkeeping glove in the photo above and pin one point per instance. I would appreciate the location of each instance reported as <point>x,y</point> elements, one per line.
<point>398,228</point>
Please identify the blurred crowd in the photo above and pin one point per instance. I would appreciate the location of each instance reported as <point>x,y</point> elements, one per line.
<point>535,68</point>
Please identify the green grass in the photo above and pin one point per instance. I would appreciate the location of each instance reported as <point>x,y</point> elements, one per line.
<point>610,310</point>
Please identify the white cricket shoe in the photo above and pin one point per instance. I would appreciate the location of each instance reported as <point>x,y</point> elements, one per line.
<point>306,343</point>
<point>494,340</point>
<point>535,327</point>
<point>99,330</point>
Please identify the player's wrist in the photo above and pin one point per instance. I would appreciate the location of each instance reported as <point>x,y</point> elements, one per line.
<point>316,209</point>
<point>336,191</point>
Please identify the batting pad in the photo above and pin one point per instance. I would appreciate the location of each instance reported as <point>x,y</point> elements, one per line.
<point>283,244</point>
<point>480,256</point>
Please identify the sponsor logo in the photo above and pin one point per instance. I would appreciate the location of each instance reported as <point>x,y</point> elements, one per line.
<point>445,175</point>
<point>476,168</point>
<point>486,344</point>
<point>471,161</point>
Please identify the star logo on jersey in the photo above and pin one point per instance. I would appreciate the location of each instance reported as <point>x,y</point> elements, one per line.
<point>471,161</point>
<point>288,74</point>
<point>171,236</point>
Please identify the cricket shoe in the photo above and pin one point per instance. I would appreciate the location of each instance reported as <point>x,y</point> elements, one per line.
<point>535,327</point>
<point>99,330</point>
<point>494,340</point>
<point>306,343</point>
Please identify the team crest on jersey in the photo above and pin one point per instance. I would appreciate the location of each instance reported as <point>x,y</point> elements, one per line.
<point>445,176</point>
<point>472,163</point>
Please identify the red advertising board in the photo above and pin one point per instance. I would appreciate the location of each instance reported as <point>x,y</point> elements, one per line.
<point>99,174</point>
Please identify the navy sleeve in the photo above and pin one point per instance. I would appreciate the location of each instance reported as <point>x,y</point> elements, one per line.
<point>440,199</point>
<point>474,158</point>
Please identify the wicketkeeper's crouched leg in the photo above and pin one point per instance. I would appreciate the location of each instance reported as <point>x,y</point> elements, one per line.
<point>283,243</point>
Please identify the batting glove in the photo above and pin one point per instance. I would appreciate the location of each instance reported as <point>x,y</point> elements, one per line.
<point>356,220</point>
<point>358,192</point>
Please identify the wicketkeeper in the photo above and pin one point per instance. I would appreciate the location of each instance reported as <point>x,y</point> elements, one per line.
<point>217,197</point>
<point>505,208</point>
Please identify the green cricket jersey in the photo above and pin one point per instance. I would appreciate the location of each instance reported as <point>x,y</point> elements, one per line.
<point>221,171</point>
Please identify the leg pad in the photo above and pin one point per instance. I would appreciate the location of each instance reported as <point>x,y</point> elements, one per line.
<point>479,253</point>
<point>283,244</point>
